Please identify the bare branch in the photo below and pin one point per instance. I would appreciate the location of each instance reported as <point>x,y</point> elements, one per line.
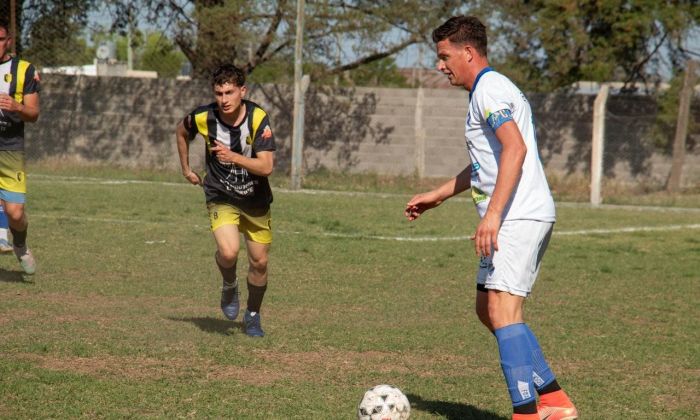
<point>376,55</point>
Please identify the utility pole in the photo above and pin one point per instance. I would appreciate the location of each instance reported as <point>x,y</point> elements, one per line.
<point>299,91</point>
<point>129,49</point>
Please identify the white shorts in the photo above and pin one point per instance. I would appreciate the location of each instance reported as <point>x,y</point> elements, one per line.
<point>514,267</point>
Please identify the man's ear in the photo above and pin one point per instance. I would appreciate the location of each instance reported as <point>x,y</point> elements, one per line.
<point>244,90</point>
<point>468,52</point>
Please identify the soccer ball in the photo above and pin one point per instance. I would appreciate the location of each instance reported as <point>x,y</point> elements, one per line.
<point>384,402</point>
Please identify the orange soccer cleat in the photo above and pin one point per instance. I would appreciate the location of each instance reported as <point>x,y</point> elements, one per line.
<point>557,413</point>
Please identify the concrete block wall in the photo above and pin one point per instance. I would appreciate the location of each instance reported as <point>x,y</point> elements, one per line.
<point>131,122</point>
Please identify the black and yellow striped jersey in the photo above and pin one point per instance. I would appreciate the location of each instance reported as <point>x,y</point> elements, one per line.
<point>18,78</point>
<point>226,182</point>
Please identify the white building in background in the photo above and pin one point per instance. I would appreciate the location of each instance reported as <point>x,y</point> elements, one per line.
<point>105,64</point>
<point>100,68</point>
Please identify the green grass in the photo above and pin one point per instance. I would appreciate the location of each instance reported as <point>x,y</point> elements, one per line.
<point>122,317</point>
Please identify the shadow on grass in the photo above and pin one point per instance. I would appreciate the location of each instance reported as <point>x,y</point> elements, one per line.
<point>452,410</point>
<point>211,325</point>
<point>14,277</point>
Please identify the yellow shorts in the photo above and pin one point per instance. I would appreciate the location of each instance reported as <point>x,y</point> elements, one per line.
<point>12,177</point>
<point>256,228</point>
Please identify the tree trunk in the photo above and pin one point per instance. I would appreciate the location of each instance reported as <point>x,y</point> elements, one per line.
<point>685,97</point>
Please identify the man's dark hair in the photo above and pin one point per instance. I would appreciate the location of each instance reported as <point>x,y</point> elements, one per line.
<point>463,30</point>
<point>228,73</point>
<point>6,26</point>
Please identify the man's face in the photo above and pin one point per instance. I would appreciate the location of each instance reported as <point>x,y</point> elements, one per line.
<point>452,61</point>
<point>5,42</point>
<point>229,97</point>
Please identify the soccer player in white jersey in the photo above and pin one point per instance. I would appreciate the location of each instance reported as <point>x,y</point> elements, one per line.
<point>517,213</point>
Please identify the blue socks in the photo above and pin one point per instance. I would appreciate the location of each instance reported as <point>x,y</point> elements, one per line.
<point>523,363</point>
<point>516,362</point>
<point>3,219</point>
<point>542,375</point>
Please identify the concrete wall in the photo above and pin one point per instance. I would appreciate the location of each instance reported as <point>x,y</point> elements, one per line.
<point>131,122</point>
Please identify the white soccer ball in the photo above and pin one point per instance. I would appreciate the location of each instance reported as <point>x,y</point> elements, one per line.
<point>384,402</point>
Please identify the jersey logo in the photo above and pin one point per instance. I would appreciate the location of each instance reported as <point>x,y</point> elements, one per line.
<point>267,133</point>
<point>478,196</point>
<point>8,78</point>
<point>36,77</point>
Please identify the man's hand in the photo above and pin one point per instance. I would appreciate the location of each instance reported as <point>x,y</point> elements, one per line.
<point>224,154</point>
<point>420,203</point>
<point>486,235</point>
<point>193,178</point>
<point>7,103</point>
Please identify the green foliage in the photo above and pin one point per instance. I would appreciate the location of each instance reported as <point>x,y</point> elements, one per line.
<point>160,54</point>
<point>546,45</point>
<point>55,42</point>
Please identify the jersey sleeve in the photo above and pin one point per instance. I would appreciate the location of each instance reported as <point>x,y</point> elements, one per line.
<point>32,81</point>
<point>495,107</point>
<point>264,139</point>
<point>190,125</point>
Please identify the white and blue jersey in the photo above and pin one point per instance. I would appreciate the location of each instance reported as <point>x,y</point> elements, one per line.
<point>494,100</point>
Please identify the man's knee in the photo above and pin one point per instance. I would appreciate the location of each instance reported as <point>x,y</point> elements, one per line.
<point>258,263</point>
<point>15,213</point>
<point>227,257</point>
<point>504,309</point>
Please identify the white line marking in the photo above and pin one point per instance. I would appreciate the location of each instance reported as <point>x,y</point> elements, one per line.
<point>104,181</point>
<point>581,232</point>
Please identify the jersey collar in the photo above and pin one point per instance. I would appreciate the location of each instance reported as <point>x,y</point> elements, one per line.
<point>478,76</point>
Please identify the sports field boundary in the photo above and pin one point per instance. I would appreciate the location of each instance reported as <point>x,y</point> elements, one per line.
<point>106,181</point>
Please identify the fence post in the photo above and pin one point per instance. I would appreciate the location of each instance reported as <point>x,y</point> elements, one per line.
<point>598,143</point>
<point>298,116</point>
<point>685,97</point>
<point>419,134</point>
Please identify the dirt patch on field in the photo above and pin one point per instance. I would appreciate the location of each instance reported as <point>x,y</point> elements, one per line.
<point>144,368</point>
<point>271,366</point>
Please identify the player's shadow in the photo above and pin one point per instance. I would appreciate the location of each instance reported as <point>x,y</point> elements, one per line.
<point>211,325</point>
<point>451,410</point>
<point>8,276</point>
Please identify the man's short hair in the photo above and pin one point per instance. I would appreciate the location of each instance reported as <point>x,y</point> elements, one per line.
<point>463,30</point>
<point>228,73</point>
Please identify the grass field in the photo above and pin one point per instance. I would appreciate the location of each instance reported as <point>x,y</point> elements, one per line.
<point>122,317</point>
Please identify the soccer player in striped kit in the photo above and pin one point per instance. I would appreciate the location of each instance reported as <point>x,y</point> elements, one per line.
<point>19,103</point>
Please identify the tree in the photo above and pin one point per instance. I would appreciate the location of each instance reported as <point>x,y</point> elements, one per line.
<point>160,55</point>
<point>252,34</point>
<point>49,32</point>
<point>545,45</point>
